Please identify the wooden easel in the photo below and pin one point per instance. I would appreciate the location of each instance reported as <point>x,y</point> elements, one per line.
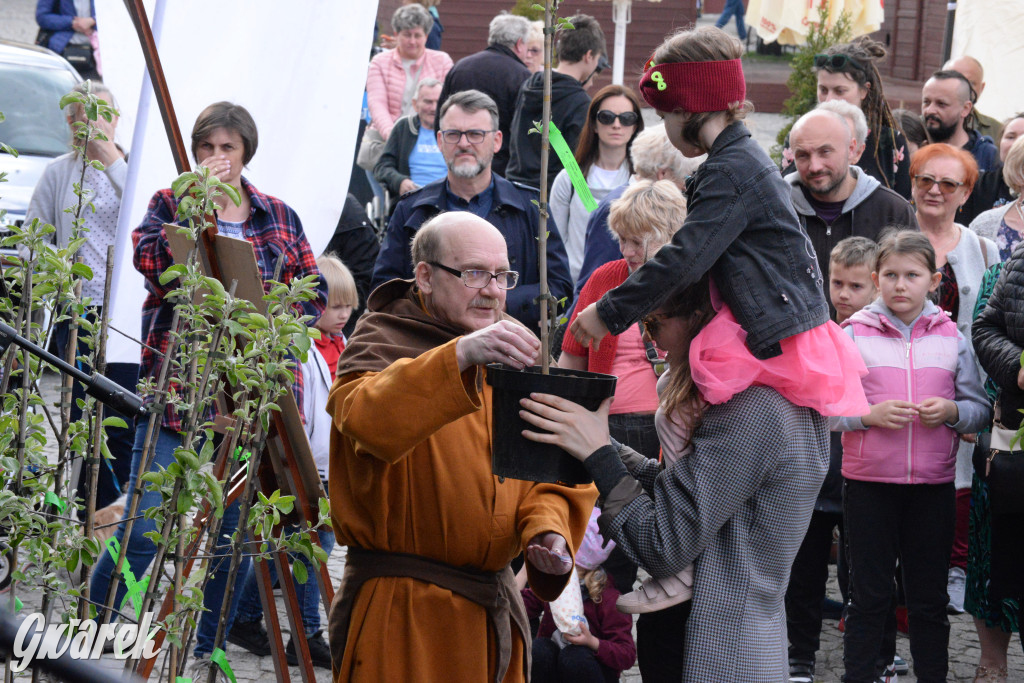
<point>288,463</point>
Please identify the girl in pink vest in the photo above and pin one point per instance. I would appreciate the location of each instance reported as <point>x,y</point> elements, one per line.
<point>899,460</point>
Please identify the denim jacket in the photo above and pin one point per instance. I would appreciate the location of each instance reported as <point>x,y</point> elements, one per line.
<point>740,226</point>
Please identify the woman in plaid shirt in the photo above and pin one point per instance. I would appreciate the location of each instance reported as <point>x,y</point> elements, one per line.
<point>224,139</point>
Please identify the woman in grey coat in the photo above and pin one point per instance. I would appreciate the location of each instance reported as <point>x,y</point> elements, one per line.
<point>737,507</point>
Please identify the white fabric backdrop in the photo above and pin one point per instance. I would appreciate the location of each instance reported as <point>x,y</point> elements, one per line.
<point>298,67</point>
<point>992,31</point>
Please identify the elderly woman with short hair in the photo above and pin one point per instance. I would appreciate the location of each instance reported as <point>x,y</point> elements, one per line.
<point>393,75</point>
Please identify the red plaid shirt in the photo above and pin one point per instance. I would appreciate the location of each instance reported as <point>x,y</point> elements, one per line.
<point>275,232</point>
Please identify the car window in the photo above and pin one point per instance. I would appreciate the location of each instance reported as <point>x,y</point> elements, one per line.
<point>29,98</point>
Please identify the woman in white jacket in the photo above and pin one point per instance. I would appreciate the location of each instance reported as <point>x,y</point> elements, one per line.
<point>613,122</point>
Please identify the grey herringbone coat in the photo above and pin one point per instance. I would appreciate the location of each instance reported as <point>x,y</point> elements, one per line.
<point>738,508</point>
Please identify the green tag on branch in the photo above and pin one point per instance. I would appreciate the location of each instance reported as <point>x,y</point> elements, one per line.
<point>565,155</point>
<point>17,605</point>
<point>136,589</point>
<point>241,455</point>
<point>52,499</point>
<point>182,679</point>
<point>221,659</point>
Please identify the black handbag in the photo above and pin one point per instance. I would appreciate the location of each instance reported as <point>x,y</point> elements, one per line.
<point>1004,473</point>
<point>43,38</point>
<point>81,57</point>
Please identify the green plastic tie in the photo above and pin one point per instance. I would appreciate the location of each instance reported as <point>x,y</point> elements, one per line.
<point>52,499</point>
<point>565,155</point>
<point>17,605</point>
<point>136,589</point>
<point>221,659</point>
<point>241,455</point>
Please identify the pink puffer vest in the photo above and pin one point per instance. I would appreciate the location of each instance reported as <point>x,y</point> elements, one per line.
<point>907,371</point>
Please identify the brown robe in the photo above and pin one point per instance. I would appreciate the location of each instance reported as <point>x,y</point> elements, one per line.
<point>410,472</point>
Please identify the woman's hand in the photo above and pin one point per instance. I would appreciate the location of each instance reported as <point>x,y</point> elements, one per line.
<point>1020,378</point>
<point>585,638</point>
<point>588,328</point>
<point>105,151</point>
<point>935,411</point>
<point>549,553</point>
<point>84,25</point>
<point>219,165</point>
<point>576,430</point>
<point>890,414</point>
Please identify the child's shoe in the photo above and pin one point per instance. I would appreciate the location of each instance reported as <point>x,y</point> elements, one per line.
<point>657,594</point>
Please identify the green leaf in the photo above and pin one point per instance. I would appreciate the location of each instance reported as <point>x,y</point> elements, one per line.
<point>69,98</point>
<point>82,270</point>
<point>114,422</point>
<point>232,193</point>
<point>172,273</point>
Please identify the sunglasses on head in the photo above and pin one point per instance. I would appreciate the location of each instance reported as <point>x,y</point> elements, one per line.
<point>651,323</point>
<point>626,118</point>
<point>925,183</point>
<point>836,62</point>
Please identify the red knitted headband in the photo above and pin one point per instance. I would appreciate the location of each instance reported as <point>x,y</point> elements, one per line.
<point>694,87</point>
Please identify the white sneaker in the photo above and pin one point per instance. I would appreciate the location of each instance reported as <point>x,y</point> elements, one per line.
<point>955,586</point>
<point>657,594</point>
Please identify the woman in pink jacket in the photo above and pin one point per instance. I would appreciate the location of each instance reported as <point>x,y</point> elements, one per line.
<point>899,460</point>
<point>391,82</point>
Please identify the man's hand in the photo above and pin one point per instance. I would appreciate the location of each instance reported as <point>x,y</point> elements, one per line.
<point>585,638</point>
<point>503,342</point>
<point>549,553</point>
<point>588,328</point>
<point>407,186</point>
<point>935,411</point>
<point>83,25</point>
<point>1020,378</point>
<point>891,414</point>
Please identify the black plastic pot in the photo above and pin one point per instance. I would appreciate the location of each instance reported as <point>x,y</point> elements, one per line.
<point>516,457</point>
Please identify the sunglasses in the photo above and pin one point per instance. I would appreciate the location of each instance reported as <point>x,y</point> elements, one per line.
<point>651,323</point>
<point>836,62</point>
<point>626,118</point>
<point>925,183</point>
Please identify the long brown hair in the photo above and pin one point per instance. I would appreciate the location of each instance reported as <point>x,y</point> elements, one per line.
<point>681,399</point>
<point>588,149</point>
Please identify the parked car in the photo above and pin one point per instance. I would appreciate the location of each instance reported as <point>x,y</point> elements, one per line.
<point>32,82</point>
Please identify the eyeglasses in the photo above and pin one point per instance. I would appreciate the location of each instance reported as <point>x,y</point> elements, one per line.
<point>925,183</point>
<point>478,279</point>
<point>627,118</point>
<point>475,137</point>
<point>836,62</point>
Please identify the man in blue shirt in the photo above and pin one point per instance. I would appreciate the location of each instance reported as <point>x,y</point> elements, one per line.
<point>468,139</point>
<point>411,157</point>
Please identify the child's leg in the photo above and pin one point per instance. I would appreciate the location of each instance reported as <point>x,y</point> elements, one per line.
<point>544,667</point>
<point>871,511</point>
<point>578,664</point>
<point>926,539</point>
<point>807,587</point>
<point>659,643</point>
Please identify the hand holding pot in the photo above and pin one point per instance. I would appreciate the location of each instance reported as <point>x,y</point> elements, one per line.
<point>573,428</point>
<point>549,553</point>
<point>588,328</point>
<point>503,342</point>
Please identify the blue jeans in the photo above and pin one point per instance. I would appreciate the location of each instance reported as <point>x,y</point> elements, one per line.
<point>734,7</point>
<point>308,594</point>
<point>141,551</point>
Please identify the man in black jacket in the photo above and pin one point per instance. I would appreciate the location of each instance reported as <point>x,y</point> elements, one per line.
<point>833,198</point>
<point>497,71</point>
<point>581,54</point>
<point>396,169</point>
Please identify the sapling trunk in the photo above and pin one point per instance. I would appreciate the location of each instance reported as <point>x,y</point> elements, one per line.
<point>544,298</point>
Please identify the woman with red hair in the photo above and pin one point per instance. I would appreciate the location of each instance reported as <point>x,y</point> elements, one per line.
<point>943,177</point>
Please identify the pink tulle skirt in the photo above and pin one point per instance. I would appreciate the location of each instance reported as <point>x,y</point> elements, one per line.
<point>820,368</point>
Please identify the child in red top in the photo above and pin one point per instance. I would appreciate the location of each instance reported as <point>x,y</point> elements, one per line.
<point>341,301</point>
